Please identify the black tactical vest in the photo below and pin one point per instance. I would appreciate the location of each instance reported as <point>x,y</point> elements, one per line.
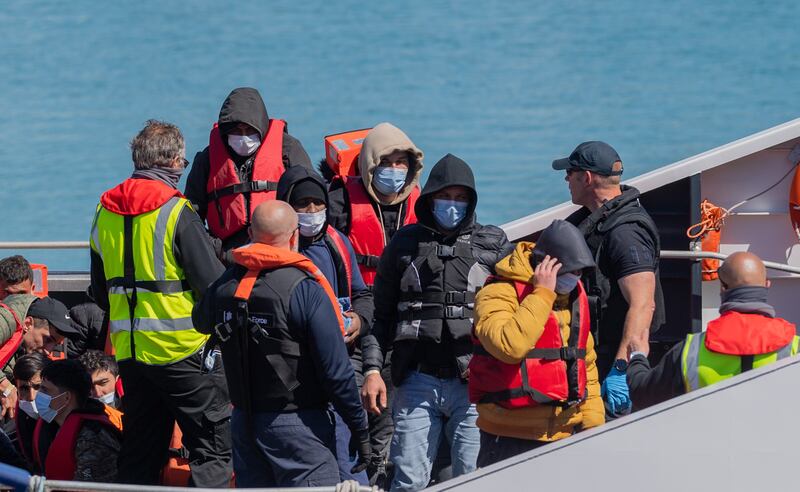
<point>261,351</point>
<point>607,305</point>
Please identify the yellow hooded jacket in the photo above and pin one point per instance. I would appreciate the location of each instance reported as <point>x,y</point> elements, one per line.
<point>508,330</point>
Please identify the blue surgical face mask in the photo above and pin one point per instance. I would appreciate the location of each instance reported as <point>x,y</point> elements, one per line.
<point>449,213</point>
<point>43,405</point>
<point>311,223</point>
<point>108,399</point>
<point>566,282</point>
<point>29,407</point>
<point>388,180</point>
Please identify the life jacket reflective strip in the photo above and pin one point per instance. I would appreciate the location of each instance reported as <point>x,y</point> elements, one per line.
<point>39,279</point>
<point>10,347</point>
<point>61,460</point>
<point>367,234</point>
<point>702,366</point>
<point>228,211</point>
<point>151,301</point>
<point>344,254</point>
<point>550,374</point>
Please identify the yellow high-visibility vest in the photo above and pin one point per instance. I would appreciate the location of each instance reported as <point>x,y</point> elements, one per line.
<point>150,303</point>
<point>702,367</point>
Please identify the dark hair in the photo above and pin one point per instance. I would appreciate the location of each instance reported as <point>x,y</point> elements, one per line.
<point>95,360</point>
<point>28,365</point>
<point>156,145</point>
<point>15,269</point>
<point>69,374</point>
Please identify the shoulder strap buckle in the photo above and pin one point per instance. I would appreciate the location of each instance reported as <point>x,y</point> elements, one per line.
<point>223,331</point>
<point>442,250</point>
<point>454,312</point>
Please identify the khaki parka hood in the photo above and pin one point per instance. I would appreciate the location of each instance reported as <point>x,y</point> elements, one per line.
<point>382,140</point>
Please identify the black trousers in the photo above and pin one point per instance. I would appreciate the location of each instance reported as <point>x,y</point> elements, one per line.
<point>498,448</point>
<point>158,396</point>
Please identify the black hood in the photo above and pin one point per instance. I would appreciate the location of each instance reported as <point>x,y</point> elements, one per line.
<point>244,105</point>
<point>565,242</point>
<point>449,171</point>
<point>292,177</point>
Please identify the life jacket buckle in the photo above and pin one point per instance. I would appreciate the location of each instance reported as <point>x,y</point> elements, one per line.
<point>223,336</point>
<point>443,250</point>
<point>569,353</point>
<point>454,312</point>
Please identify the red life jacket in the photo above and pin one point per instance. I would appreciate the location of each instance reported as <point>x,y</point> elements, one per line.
<point>748,334</point>
<point>227,211</point>
<point>550,374</point>
<point>10,347</point>
<point>366,230</point>
<point>61,460</point>
<point>334,240</point>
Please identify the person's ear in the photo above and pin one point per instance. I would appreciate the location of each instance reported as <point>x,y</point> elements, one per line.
<point>768,284</point>
<point>27,324</point>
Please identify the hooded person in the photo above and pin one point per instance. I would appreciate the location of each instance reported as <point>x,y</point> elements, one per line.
<point>533,374</point>
<point>371,207</point>
<point>240,167</point>
<point>424,296</point>
<point>332,253</point>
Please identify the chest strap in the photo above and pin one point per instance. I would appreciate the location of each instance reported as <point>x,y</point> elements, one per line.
<point>369,261</point>
<point>246,187</point>
<point>451,297</point>
<point>458,250</point>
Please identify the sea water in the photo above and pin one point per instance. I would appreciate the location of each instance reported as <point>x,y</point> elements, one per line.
<point>507,86</point>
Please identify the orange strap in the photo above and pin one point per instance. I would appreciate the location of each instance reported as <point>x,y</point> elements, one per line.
<point>245,286</point>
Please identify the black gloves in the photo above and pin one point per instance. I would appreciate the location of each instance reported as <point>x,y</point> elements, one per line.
<point>364,451</point>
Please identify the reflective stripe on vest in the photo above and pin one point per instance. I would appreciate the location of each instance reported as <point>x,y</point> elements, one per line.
<point>366,230</point>
<point>702,367</point>
<point>162,331</point>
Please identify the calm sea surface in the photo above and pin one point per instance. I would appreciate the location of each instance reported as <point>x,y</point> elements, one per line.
<point>508,86</point>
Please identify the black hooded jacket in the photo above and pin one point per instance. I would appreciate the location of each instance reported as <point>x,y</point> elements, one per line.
<point>243,105</point>
<point>323,253</point>
<point>488,245</point>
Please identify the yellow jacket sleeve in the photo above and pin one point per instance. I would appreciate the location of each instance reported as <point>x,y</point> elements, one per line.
<point>592,409</point>
<point>506,328</point>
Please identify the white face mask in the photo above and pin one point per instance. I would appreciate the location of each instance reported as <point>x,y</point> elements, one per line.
<point>244,145</point>
<point>310,224</point>
<point>107,399</point>
<point>29,407</point>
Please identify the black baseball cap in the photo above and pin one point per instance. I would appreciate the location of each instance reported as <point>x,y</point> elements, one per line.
<point>55,312</point>
<point>595,156</point>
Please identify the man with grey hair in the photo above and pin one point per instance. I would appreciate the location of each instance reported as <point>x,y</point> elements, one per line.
<point>151,261</point>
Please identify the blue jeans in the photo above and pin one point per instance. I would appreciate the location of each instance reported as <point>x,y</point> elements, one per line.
<point>344,457</point>
<point>421,404</point>
<point>295,449</point>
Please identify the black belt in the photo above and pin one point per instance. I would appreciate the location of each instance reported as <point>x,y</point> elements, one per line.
<point>435,312</point>
<point>447,372</point>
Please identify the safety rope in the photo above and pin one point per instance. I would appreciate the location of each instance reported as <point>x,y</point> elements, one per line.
<point>711,219</point>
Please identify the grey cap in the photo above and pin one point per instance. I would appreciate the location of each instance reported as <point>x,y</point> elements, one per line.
<point>564,241</point>
<point>597,157</point>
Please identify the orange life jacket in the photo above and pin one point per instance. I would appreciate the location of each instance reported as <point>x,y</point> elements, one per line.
<point>61,460</point>
<point>176,472</point>
<point>366,230</point>
<point>736,333</point>
<point>10,347</point>
<point>228,212</point>
<point>550,374</point>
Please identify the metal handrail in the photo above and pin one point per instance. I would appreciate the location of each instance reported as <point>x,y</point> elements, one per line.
<point>44,244</point>
<point>710,255</point>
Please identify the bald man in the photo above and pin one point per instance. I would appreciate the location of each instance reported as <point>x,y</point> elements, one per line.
<point>275,317</point>
<point>747,335</point>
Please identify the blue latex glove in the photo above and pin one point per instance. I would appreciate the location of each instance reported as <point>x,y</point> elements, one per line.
<point>615,392</point>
